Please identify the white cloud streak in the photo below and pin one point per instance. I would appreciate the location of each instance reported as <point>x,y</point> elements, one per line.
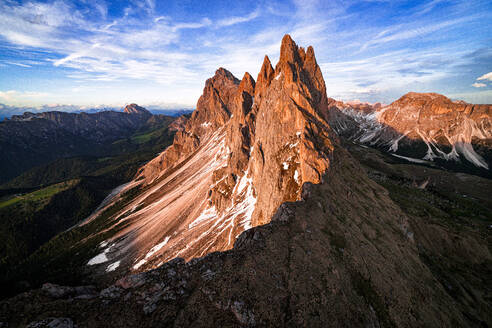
<point>238,19</point>
<point>487,76</point>
<point>406,32</point>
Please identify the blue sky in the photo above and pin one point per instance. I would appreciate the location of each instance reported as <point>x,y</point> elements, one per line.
<point>161,52</point>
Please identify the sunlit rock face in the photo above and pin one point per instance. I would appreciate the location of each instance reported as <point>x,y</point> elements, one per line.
<point>136,109</point>
<point>247,148</point>
<point>422,127</point>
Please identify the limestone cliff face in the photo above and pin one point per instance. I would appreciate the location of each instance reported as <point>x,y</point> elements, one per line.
<point>279,139</point>
<point>212,112</point>
<point>439,121</point>
<point>248,148</point>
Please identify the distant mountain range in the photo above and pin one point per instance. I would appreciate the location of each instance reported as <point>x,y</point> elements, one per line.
<point>33,139</point>
<point>7,111</point>
<point>424,128</point>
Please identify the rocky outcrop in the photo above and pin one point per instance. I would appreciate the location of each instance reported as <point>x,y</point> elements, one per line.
<point>136,109</point>
<point>425,127</point>
<point>212,112</point>
<point>279,138</point>
<point>248,147</point>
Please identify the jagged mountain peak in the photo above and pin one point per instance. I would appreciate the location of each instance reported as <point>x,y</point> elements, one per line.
<point>264,76</point>
<point>222,80</point>
<point>247,84</point>
<point>300,72</point>
<point>236,161</point>
<point>288,50</point>
<point>214,106</point>
<point>222,72</point>
<point>425,128</point>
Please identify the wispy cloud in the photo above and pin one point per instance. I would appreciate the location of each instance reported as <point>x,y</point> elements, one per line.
<point>238,19</point>
<point>479,85</point>
<point>17,64</point>
<point>429,6</point>
<point>487,76</point>
<point>204,22</point>
<point>406,32</point>
<point>21,97</point>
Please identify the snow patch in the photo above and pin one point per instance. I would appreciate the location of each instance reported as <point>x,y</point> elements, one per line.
<point>113,266</point>
<point>206,215</point>
<point>157,247</point>
<point>244,182</point>
<point>247,207</point>
<point>394,144</point>
<point>414,160</point>
<point>101,258</point>
<point>430,153</point>
<point>285,165</point>
<point>296,176</point>
<point>467,150</point>
<point>242,208</point>
<point>294,145</point>
<point>139,264</point>
<point>278,76</point>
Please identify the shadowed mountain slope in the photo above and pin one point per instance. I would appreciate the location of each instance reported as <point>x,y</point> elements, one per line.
<point>343,257</point>
<point>31,140</point>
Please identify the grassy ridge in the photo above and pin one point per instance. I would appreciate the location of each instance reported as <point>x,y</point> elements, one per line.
<point>41,196</point>
<point>63,258</point>
<point>121,157</point>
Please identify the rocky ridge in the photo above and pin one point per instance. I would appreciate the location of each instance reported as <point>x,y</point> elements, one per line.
<point>248,148</point>
<point>422,127</point>
<point>30,139</point>
<point>343,256</point>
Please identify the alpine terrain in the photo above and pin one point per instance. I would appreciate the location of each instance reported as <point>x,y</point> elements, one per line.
<point>422,128</point>
<point>31,140</point>
<point>268,209</point>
